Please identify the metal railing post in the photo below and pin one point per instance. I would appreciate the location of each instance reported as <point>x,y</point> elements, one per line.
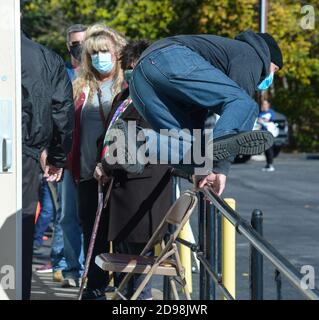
<point>202,246</point>
<point>256,260</point>
<point>218,243</point>
<point>210,245</point>
<point>278,284</point>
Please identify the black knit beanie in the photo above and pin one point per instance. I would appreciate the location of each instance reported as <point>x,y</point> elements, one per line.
<point>275,52</point>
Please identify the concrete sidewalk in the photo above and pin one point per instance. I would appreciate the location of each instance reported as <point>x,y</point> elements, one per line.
<point>44,288</point>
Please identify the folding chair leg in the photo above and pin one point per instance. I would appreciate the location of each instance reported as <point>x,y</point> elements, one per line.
<point>144,282</point>
<point>185,286</point>
<point>174,289</point>
<point>122,285</point>
<point>181,273</point>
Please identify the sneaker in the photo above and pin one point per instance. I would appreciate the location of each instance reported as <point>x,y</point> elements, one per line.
<point>268,168</point>
<point>70,283</point>
<point>47,268</point>
<point>57,276</point>
<point>93,294</point>
<point>125,159</point>
<point>247,143</point>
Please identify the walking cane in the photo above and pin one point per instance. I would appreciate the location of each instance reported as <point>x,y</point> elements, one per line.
<point>100,207</point>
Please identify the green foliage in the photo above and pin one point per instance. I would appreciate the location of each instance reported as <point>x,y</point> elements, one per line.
<point>301,105</point>
<point>295,92</point>
<point>228,17</point>
<point>143,18</point>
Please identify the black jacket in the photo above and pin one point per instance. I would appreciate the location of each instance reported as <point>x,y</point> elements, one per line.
<point>47,103</point>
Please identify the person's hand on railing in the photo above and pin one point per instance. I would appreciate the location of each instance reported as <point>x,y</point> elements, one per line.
<point>215,181</point>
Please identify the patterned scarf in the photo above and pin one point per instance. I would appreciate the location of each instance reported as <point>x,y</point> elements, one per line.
<point>118,113</point>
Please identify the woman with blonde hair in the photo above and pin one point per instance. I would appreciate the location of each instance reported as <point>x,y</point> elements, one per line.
<point>99,80</point>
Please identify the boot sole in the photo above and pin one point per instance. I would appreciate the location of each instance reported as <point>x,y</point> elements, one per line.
<point>247,143</point>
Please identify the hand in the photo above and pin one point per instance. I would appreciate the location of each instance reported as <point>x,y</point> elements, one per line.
<point>216,181</point>
<point>52,173</point>
<point>99,174</point>
<point>43,159</point>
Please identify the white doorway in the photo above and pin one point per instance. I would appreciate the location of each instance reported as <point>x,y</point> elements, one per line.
<point>10,151</point>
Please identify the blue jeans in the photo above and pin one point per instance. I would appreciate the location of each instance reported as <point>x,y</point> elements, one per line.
<point>174,88</point>
<point>72,231</point>
<point>57,247</point>
<point>46,214</point>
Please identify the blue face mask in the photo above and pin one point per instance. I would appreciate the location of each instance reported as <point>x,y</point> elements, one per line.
<point>102,62</point>
<point>266,83</point>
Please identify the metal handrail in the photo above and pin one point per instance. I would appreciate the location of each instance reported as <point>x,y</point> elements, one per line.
<point>262,245</point>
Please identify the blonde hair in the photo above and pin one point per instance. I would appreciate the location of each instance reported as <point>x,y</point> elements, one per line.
<point>99,37</point>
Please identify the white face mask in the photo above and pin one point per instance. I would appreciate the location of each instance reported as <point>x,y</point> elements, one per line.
<point>102,62</point>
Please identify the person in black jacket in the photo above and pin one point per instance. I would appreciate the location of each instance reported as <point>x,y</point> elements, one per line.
<point>47,125</point>
<point>179,79</point>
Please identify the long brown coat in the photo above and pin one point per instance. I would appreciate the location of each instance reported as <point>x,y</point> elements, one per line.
<point>138,202</point>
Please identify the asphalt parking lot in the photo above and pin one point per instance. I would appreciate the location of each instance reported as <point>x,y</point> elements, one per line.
<point>289,200</point>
